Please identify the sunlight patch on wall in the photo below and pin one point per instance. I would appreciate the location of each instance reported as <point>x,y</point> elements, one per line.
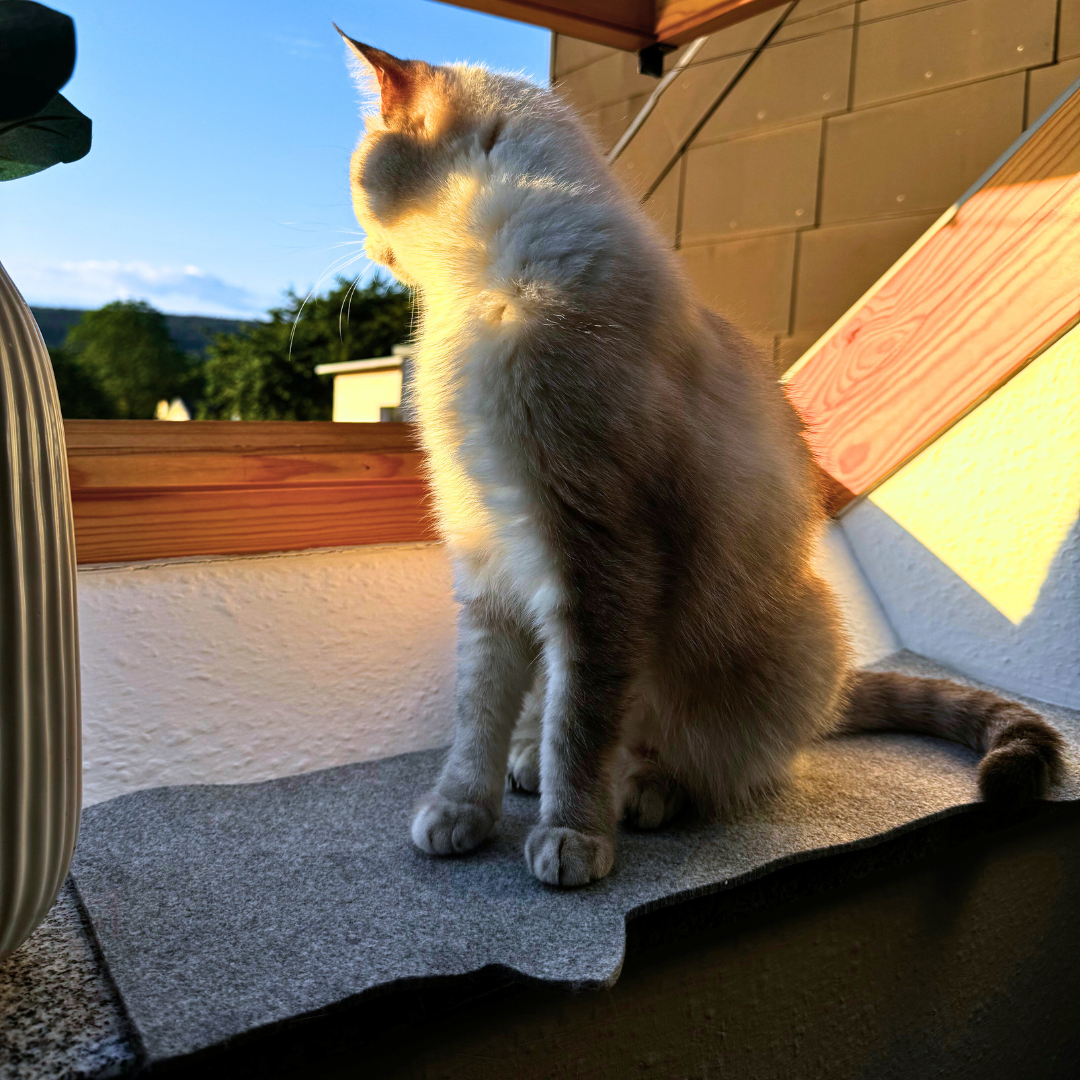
<point>995,496</point>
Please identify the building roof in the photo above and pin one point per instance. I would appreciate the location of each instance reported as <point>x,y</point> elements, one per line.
<point>374,363</point>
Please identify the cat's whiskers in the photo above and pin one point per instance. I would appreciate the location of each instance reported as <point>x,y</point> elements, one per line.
<point>336,268</point>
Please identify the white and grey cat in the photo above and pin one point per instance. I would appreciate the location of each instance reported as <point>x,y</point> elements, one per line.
<point>623,487</point>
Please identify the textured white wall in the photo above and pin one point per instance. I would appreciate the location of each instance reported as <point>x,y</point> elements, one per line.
<point>228,670</point>
<point>238,669</point>
<point>936,613</point>
<point>871,633</point>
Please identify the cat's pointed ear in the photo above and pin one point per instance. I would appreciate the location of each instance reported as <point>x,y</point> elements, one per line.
<point>398,79</point>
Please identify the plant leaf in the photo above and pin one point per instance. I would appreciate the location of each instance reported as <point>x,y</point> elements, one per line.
<point>37,55</point>
<point>59,132</point>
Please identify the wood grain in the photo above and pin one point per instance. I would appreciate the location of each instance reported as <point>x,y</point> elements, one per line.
<point>151,490</point>
<point>619,25</point>
<point>102,437</point>
<point>629,24</point>
<point>679,21</point>
<point>983,295</point>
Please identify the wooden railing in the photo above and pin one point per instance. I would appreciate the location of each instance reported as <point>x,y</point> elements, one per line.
<point>143,489</point>
<point>991,286</point>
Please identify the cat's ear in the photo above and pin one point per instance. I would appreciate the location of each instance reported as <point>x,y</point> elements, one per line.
<point>398,79</point>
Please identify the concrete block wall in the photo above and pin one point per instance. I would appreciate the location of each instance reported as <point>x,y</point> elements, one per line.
<point>856,126</point>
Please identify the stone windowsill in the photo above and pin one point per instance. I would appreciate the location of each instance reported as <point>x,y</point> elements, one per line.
<point>222,916</point>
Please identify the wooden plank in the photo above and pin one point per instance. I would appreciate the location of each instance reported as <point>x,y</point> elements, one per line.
<point>619,25</point>
<point>92,437</point>
<point>630,24</point>
<point>125,524</point>
<point>178,469</point>
<point>151,490</point>
<point>679,21</point>
<point>979,297</point>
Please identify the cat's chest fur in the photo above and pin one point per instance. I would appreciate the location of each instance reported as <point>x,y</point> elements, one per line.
<point>488,510</point>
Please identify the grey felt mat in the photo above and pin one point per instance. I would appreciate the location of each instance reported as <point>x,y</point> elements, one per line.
<point>221,909</point>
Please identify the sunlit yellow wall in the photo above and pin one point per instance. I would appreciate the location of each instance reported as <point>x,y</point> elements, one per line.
<point>359,395</point>
<point>995,497</point>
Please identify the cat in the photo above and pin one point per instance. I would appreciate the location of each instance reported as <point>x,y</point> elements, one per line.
<point>625,492</point>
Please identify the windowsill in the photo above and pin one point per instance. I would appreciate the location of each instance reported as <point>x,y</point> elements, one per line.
<point>242,922</point>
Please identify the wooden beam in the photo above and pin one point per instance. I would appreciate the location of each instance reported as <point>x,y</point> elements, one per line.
<point>679,21</point>
<point>117,438</point>
<point>152,490</point>
<point>629,24</point>
<point>987,289</point>
<point>620,24</point>
<point>144,489</point>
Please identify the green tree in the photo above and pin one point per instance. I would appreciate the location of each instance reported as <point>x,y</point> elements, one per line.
<point>267,372</point>
<point>81,396</point>
<point>125,350</point>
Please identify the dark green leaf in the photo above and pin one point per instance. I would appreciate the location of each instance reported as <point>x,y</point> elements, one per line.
<point>37,56</point>
<point>59,132</point>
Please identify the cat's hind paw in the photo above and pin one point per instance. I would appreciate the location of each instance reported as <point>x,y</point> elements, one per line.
<point>651,801</point>
<point>523,768</point>
<point>443,827</point>
<point>566,857</point>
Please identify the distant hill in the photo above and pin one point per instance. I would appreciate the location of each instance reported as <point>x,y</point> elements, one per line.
<point>192,333</point>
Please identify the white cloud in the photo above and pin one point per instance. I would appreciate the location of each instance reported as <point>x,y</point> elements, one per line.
<point>185,290</point>
<point>298,46</point>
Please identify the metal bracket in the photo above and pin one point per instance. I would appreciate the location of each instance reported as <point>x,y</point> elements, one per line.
<point>650,60</point>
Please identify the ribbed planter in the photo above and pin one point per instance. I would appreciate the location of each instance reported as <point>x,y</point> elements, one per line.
<point>40,759</point>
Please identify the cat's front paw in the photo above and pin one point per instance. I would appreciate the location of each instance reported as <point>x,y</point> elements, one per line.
<point>566,857</point>
<point>443,827</point>
<point>524,765</point>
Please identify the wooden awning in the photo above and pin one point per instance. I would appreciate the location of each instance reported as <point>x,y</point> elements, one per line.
<point>626,24</point>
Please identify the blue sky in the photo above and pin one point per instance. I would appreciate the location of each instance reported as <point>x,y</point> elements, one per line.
<point>222,133</point>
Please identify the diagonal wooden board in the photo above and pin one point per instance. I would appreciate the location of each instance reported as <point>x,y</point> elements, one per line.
<point>993,283</point>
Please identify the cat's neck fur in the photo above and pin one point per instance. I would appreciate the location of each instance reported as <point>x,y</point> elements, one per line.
<point>491,266</point>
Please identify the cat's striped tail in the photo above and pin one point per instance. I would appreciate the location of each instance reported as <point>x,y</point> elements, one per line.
<point>1023,753</point>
